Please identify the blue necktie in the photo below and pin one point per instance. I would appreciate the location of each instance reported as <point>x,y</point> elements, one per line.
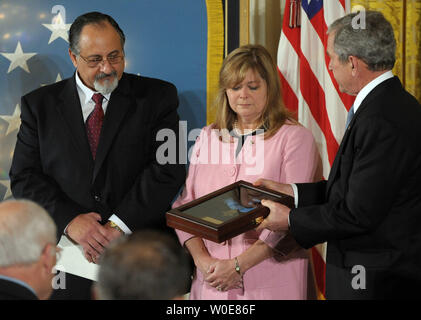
<point>350,115</point>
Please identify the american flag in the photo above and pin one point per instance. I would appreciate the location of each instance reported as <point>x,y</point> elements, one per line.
<point>309,88</point>
<point>30,38</point>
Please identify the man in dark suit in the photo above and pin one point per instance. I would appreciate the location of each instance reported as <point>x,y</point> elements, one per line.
<point>369,210</point>
<point>87,148</point>
<point>27,251</point>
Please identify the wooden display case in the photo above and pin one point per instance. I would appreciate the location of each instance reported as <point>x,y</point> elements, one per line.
<point>225,213</point>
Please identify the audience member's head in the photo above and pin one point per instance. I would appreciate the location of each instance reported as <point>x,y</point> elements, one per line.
<point>146,265</point>
<point>27,245</point>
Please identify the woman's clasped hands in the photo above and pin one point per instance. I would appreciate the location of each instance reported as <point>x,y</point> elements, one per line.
<point>221,274</point>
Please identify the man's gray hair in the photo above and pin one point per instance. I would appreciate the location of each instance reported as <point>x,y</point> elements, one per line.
<point>374,42</point>
<point>146,265</point>
<point>25,229</point>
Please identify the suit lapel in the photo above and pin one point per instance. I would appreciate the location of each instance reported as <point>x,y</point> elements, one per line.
<point>120,102</point>
<point>71,112</point>
<point>337,160</point>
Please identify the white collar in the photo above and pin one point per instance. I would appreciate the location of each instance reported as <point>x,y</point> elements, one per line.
<point>369,87</point>
<point>87,92</point>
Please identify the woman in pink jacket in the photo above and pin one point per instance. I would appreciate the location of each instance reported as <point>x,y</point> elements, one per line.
<point>253,137</point>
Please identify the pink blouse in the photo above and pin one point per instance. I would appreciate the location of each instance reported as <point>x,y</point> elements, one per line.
<point>289,156</point>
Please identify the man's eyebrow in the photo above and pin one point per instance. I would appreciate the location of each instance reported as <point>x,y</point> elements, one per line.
<point>113,52</point>
<point>94,56</point>
<point>99,56</point>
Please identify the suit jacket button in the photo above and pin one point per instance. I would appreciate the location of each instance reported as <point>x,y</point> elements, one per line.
<point>97,198</point>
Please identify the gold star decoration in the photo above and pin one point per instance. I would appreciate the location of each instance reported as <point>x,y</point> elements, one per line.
<point>13,120</point>
<point>58,29</point>
<point>8,193</point>
<point>18,58</point>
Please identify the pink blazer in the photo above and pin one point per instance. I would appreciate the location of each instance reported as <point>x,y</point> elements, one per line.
<point>290,156</point>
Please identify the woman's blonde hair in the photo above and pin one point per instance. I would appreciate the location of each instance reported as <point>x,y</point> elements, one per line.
<point>233,72</point>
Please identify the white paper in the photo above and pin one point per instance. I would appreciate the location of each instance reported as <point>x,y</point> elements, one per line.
<point>73,261</point>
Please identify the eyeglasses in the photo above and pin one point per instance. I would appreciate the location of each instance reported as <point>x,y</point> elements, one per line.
<point>95,61</point>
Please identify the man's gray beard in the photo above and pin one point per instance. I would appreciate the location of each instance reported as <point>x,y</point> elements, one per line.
<point>107,86</point>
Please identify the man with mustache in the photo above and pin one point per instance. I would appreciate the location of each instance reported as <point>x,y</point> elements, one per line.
<point>86,149</point>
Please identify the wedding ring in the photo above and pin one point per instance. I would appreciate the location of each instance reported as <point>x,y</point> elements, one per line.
<point>219,288</point>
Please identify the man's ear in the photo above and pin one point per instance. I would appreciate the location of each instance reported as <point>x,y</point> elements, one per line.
<point>73,58</point>
<point>354,64</point>
<point>48,258</point>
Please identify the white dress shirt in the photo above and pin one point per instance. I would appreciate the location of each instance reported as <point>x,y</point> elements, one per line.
<point>369,87</point>
<point>85,96</point>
